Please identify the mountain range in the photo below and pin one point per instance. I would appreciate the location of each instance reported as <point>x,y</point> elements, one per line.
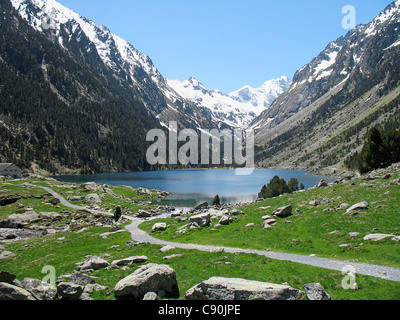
<point>75,96</point>
<point>350,86</point>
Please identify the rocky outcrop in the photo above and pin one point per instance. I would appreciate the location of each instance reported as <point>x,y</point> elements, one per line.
<point>160,279</point>
<point>19,220</point>
<point>39,289</point>
<point>10,199</point>
<point>218,288</point>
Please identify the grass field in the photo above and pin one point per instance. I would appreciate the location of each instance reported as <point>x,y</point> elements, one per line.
<point>320,230</point>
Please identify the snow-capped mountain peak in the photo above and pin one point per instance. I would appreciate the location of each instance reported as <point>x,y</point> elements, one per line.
<point>236,109</point>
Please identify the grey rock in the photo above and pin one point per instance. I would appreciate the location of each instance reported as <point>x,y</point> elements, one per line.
<point>283,212</point>
<point>93,263</point>
<point>6,255</point>
<point>377,236</point>
<point>203,205</point>
<point>92,199</point>
<point>236,212</point>
<point>358,206</point>
<point>151,296</point>
<point>39,289</point>
<point>315,291</point>
<point>201,220</point>
<point>218,288</point>
<point>12,292</point>
<point>20,220</point>
<point>129,261</point>
<point>69,291</point>
<point>149,278</point>
<point>143,214</point>
<point>80,278</point>
<point>322,183</point>
<point>161,226</point>
<point>225,220</point>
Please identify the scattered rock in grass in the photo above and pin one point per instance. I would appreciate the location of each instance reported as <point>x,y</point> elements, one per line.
<point>377,236</point>
<point>314,203</point>
<point>220,289</point>
<point>6,255</point>
<point>225,220</point>
<point>93,263</point>
<point>172,256</point>
<point>342,206</point>
<point>315,291</point>
<point>166,248</point>
<point>354,234</point>
<point>364,205</point>
<point>236,212</point>
<point>129,261</point>
<point>161,226</point>
<point>69,291</point>
<point>283,212</point>
<point>200,220</point>
<point>270,222</point>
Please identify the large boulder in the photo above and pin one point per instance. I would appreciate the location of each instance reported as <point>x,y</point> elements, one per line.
<point>160,279</point>
<point>11,292</point>
<point>20,220</point>
<point>200,220</point>
<point>39,289</point>
<point>283,212</point>
<point>218,288</point>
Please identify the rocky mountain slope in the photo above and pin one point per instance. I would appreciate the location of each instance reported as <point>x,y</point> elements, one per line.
<point>61,109</point>
<point>236,109</point>
<point>350,86</point>
<point>82,38</point>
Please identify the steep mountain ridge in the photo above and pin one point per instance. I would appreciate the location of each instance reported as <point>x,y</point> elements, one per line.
<point>332,101</point>
<point>85,40</point>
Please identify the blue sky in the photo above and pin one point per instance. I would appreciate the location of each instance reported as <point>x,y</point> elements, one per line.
<point>227,44</point>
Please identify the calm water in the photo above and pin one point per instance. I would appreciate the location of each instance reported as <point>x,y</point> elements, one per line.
<point>191,187</point>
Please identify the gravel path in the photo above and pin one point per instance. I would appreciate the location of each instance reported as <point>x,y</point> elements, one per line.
<point>387,273</point>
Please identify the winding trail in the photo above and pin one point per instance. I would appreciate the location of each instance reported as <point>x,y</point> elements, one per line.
<point>387,273</point>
